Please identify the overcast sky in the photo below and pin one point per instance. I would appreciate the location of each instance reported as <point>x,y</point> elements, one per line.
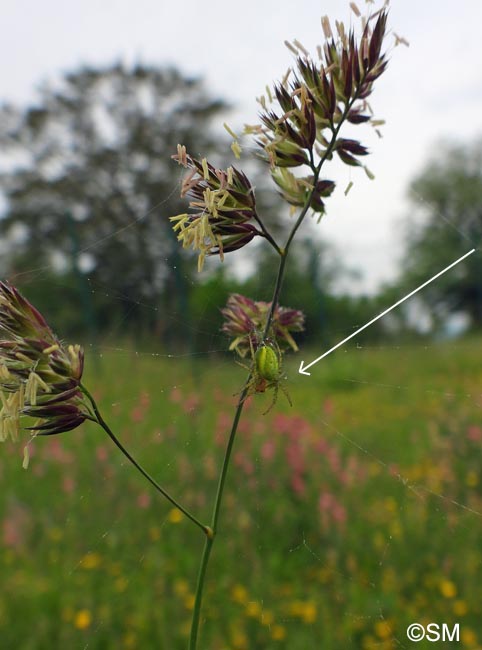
<point>431,90</point>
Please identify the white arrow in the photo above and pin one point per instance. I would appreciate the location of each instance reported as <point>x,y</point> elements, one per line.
<point>304,368</point>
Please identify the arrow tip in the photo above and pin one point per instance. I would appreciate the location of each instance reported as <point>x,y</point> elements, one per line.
<point>302,370</point>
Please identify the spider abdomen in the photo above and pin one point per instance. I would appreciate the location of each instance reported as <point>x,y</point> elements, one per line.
<point>267,363</point>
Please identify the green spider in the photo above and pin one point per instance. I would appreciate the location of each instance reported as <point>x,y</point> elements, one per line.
<point>266,371</point>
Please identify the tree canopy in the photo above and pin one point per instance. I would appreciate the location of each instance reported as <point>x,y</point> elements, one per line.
<point>90,180</point>
<point>88,187</point>
<point>447,199</point>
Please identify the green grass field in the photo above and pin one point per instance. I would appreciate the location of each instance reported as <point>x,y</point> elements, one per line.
<point>347,517</point>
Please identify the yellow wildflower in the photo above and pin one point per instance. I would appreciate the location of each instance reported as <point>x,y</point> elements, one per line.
<point>253,609</point>
<point>448,589</point>
<point>460,608</point>
<point>239,594</point>
<point>468,637</point>
<point>175,516</point>
<point>383,629</point>
<point>278,632</point>
<point>91,560</point>
<point>82,619</point>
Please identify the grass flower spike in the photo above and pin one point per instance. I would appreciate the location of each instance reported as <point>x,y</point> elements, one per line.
<point>303,113</point>
<point>246,319</point>
<point>39,376</point>
<point>301,129</point>
<point>223,209</point>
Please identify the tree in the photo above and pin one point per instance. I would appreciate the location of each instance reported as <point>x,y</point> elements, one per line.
<point>94,182</point>
<point>449,193</point>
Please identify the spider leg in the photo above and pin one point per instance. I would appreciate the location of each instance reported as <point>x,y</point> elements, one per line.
<point>248,386</point>
<point>286,394</point>
<point>243,365</point>
<point>275,387</point>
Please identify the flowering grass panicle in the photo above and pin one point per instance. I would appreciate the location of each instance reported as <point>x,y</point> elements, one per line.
<point>245,320</point>
<point>223,204</point>
<point>39,376</point>
<point>302,114</point>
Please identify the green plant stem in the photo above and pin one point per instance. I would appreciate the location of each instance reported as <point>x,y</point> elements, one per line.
<point>100,420</point>
<point>208,544</point>
<point>222,479</point>
<point>283,253</point>
<point>265,233</point>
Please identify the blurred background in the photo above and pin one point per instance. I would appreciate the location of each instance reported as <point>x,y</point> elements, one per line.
<point>94,99</point>
<point>95,102</point>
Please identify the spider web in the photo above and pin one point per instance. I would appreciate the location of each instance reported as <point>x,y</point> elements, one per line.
<point>346,518</point>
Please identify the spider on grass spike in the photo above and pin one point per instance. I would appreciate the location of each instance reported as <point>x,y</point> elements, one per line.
<point>266,371</point>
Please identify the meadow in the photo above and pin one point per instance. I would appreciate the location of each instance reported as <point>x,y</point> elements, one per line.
<point>347,516</point>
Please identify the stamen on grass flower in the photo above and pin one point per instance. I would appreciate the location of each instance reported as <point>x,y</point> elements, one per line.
<point>300,127</point>
<point>223,209</point>
<point>245,320</point>
<point>39,377</point>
